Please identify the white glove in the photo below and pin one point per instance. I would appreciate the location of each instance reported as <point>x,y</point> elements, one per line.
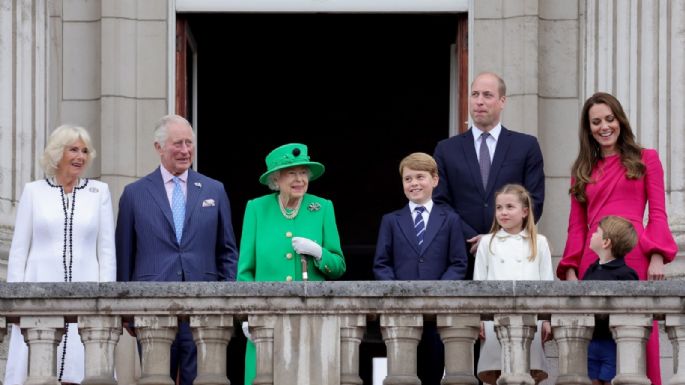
<point>307,246</point>
<point>246,331</point>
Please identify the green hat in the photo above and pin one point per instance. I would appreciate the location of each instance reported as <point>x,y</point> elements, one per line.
<point>290,155</point>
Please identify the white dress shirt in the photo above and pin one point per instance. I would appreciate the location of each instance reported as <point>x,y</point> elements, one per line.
<point>491,142</point>
<point>426,213</point>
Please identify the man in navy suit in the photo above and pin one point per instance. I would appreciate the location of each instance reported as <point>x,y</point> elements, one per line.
<point>421,241</point>
<point>472,171</point>
<point>175,225</point>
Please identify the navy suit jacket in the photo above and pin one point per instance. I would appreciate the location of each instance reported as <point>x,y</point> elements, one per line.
<point>147,249</point>
<point>518,159</point>
<point>442,255</point>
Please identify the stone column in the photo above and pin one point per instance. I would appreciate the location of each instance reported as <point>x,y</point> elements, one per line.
<point>401,334</point>
<point>573,333</point>
<point>3,332</point>
<point>675,327</point>
<point>351,332</point>
<point>458,334</point>
<point>211,334</point>
<point>100,335</point>
<point>156,334</point>
<point>42,335</point>
<point>262,331</point>
<point>515,333</point>
<point>631,332</point>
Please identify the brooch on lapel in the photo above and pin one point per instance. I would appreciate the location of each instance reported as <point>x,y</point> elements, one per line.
<point>198,184</point>
<point>315,206</point>
<point>208,203</point>
<point>93,189</point>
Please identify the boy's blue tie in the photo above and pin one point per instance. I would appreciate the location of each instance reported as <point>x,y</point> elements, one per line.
<point>178,208</point>
<point>419,225</point>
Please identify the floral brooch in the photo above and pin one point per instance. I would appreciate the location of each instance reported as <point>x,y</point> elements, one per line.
<point>315,206</point>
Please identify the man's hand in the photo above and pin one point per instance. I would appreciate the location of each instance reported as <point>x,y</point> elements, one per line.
<point>474,243</point>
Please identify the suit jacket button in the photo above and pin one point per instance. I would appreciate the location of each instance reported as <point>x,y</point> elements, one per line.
<point>288,234</point>
<point>178,272</point>
<point>421,260</point>
<point>288,278</point>
<point>289,255</point>
<point>485,205</point>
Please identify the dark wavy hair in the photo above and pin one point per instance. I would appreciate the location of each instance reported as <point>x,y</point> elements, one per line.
<point>590,153</point>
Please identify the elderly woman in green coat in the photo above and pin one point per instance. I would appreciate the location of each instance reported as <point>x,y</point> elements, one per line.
<point>288,235</point>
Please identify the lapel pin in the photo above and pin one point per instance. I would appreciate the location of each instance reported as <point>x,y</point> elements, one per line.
<point>198,184</point>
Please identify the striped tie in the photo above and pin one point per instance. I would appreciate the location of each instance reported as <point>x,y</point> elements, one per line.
<point>419,225</point>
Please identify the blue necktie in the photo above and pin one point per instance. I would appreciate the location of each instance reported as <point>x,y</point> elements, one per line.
<point>484,158</point>
<point>419,225</point>
<point>178,208</point>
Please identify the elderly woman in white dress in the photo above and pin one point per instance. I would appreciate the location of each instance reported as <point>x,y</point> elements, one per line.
<point>64,232</point>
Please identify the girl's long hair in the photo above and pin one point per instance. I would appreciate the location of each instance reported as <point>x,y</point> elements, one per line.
<point>528,222</point>
<point>590,152</point>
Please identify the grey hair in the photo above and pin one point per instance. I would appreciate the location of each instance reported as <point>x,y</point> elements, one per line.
<point>162,127</point>
<point>273,178</point>
<point>63,136</point>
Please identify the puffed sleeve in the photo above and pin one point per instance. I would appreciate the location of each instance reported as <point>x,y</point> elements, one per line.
<point>657,237</point>
<point>107,259</point>
<point>21,240</point>
<point>332,262</point>
<point>248,245</point>
<point>545,255</point>
<point>575,239</point>
<point>480,268</point>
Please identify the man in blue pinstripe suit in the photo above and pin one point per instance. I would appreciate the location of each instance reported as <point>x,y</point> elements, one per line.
<point>175,225</point>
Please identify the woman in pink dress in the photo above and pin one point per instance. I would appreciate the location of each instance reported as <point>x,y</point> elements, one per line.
<point>613,175</point>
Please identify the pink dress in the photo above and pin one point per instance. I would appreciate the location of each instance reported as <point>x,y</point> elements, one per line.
<point>614,194</point>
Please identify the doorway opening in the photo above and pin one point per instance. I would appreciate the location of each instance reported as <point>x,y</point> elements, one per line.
<point>361,90</point>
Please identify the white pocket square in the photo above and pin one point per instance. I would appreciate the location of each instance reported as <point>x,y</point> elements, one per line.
<point>208,203</point>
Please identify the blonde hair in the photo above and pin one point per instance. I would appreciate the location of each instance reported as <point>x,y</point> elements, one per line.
<point>419,161</point>
<point>528,221</point>
<point>620,232</point>
<point>63,136</point>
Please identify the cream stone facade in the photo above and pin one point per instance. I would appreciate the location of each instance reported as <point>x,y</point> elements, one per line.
<point>108,65</point>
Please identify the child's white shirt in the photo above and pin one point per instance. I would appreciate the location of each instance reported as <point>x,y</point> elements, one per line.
<point>507,258</point>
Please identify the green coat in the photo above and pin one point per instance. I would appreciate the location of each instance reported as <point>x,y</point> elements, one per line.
<point>266,251</point>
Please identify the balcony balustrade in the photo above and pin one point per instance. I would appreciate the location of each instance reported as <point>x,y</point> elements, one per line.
<point>310,332</point>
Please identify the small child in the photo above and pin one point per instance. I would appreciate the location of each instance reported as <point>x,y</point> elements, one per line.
<point>614,238</point>
<point>422,241</point>
<point>512,251</point>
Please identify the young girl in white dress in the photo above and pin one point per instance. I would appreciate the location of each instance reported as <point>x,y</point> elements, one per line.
<point>512,251</point>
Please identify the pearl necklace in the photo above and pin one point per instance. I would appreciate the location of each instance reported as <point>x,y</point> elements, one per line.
<point>289,213</point>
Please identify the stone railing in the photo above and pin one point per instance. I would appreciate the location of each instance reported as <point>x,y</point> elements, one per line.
<point>308,333</point>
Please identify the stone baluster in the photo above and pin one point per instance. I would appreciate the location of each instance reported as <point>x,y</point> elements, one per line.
<point>42,335</point>
<point>3,332</point>
<point>262,331</point>
<point>352,329</point>
<point>458,334</point>
<point>401,334</point>
<point>675,327</point>
<point>573,333</point>
<point>211,334</point>
<point>515,333</point>
<point>631,332</point>
<point>156,334</point>
<point>99,335</point>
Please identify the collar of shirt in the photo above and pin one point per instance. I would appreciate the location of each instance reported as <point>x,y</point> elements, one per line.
<point>428,205</point>
<point>168,177</point>
<point>491,143</point>
<point>502,235</point>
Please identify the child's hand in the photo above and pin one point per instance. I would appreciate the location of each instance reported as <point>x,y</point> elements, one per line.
<point>655,271</point>
<point>546,331</point>
<point>481,334</point>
